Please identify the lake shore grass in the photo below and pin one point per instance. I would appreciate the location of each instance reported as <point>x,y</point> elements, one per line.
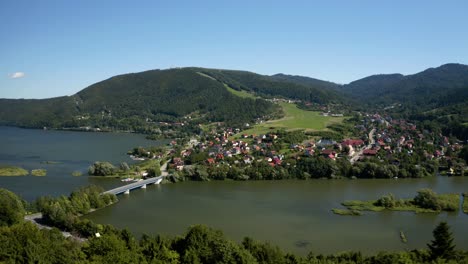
<point>39,172</point>
<point>447,202</point>
<point>362,205</point>
<point>77,173</point>
<point>6,170</point>
<point>346,212</point>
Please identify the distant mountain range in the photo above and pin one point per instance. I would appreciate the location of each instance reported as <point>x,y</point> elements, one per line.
<point>445,84</point>
<point>170,95</point>
<point>433,87</point>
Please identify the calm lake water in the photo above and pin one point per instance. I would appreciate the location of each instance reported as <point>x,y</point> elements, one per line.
<point>74,151</point>
<point>294,215</point>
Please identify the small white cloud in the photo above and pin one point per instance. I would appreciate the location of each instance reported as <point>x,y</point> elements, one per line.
<point>17,75</point>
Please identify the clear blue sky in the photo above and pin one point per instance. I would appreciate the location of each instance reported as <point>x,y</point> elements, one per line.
<point>59,47</point>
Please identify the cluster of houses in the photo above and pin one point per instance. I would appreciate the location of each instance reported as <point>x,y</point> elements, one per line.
<point>379,135</point>
<point>401,136</point>
<point>246,150</point>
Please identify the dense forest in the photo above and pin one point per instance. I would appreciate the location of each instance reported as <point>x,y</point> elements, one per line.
<point>22,242</point>
<point>432,87</point>
<point>270,86</point>
<point>138,99</point>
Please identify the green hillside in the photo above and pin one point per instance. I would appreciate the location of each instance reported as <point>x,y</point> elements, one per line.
<point>269,86</point>
<point>434,87</point>
<point>33,113</point>
<point>130,100</point>
<point>438,97</point>
<point>307,81</point>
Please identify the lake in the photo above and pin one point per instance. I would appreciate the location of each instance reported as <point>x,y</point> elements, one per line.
<point>74,151</point>
<point>294,215</point>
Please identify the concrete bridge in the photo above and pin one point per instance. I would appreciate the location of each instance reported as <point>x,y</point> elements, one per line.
<point>136,185</point>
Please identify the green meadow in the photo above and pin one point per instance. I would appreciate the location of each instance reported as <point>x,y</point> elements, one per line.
<point>295,118</point>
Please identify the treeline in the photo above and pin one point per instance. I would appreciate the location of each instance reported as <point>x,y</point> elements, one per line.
<point>425,199</point>
<point>104,168</point>
<point>314,167</point>
<point>64,212</point>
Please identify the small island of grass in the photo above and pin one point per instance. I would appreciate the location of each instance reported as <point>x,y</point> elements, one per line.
<point>6,170</point>
<point>51,162</point>
<point>346,212</point>
<point>77,173</point>
<point>39,172</point>
<point>426,201</point>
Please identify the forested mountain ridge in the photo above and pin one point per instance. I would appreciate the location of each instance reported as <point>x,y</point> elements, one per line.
<point>271,86</point>
<point>130,100</point>
<point>433,87</point>
<point>303,80</point>
<point>371,85</point>
<point>37,113</point>
<point>437,97</point>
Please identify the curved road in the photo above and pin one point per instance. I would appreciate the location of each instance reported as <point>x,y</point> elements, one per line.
<point>357,154</point>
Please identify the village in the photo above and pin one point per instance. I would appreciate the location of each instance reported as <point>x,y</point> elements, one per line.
<point>403,148</point>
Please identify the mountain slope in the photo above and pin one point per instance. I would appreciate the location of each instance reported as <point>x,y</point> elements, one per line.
<point>372,85</point>
<point>433,87</point>
<point>37,113</point>
<point>270,86</point>
<point>303,80</point>
<point>161,95</point>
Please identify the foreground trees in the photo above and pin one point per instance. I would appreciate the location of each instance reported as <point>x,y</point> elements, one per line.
<point>23,242</point>
<point>11,208</point>
<point>442,246</point>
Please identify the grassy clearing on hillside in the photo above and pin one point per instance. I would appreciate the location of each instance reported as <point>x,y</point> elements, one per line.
<point>295,118</point>
<point>242,94</point>
<point>12,171</point>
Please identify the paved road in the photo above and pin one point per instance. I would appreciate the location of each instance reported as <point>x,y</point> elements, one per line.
<point>164,169</point>
<point>36,219</point>
<point>357,154</point>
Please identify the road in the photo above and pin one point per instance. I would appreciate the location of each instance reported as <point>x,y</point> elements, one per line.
<point>36,219</point>
<point>357,154</point>
<point>164,172</point>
